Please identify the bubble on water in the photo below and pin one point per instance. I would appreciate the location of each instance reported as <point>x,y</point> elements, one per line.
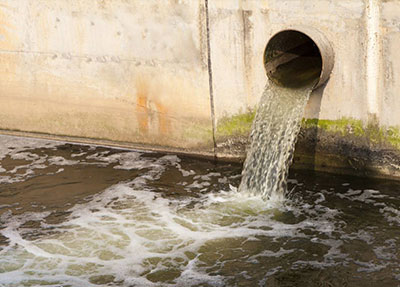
<point>59,160</point>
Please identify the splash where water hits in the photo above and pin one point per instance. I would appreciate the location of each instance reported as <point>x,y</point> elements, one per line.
<point>73,215</point>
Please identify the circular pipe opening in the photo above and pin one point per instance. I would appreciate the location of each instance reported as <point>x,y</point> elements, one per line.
<point>293,59</point>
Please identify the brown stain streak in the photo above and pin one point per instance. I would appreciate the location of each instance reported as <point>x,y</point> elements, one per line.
<point>142,116</point>
<point>167,117</point>
<point>164,124</point>
<point>142,103</point>
<point>144,110</point>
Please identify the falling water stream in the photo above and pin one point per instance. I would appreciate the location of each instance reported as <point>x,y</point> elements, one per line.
<point>293,63</point>
<point>273,139</point>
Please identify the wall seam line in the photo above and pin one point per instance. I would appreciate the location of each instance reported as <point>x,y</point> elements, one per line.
<point>373,58</point>
<point>210,79</point>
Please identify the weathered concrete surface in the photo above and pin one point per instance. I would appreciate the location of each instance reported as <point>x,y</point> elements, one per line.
<point>390,64</point>
<point>139,72</point>
<point>133,71</point>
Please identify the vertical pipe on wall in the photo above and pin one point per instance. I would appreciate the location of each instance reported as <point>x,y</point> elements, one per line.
<point>373,57</point>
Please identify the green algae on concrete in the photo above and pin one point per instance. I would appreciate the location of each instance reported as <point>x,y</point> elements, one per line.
<point>345,146</point>
<point>347,126</point>
<point>236,125</point>
<point>342,126</point>
<point>393,136</point>
<point>241,123</point>
<point>200,133</point>
<point>237,129</point>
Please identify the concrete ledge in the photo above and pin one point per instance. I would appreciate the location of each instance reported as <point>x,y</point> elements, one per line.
<point>199,153</point>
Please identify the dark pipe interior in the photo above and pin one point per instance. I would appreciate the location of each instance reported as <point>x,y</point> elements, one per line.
<point>293,60</point>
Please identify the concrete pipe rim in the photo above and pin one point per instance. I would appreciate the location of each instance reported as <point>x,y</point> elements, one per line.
<point>298,58</point>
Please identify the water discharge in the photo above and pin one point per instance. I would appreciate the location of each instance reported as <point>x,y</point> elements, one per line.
<point>273,139</point>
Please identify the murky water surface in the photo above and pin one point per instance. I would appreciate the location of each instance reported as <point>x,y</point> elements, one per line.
<point>75,215</point>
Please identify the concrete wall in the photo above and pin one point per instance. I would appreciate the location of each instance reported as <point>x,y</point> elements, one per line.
<point>240,31</point>
<point>343,22</point>
<point>131,71</point>
<point>188,74</point>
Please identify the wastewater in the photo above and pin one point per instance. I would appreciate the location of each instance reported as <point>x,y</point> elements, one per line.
<point>273,139</point>
<point>293,73</point>
<point>85,215</point>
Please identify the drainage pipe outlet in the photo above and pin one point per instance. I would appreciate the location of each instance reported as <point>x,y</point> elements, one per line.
<point>297,59</point>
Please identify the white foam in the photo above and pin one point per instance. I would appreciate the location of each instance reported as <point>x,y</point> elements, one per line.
<point>59,160</point>
<point>11,145</point>
<point>19,149</point>
<point>369,267</point>
<point>132,225</point>
<point>391,214</point>
<point>367,195</point>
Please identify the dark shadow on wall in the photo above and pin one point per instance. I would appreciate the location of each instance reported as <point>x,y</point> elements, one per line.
<point>307,144</point>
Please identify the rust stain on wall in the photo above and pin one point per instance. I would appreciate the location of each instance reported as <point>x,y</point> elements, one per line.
<point>151,113</point>
<point>142,112</point>
<point>164,124</point>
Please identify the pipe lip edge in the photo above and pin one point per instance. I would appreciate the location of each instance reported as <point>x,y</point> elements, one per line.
<point>324,46</point>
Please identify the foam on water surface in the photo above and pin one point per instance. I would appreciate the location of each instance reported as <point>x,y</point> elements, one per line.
<point>163,220</point>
